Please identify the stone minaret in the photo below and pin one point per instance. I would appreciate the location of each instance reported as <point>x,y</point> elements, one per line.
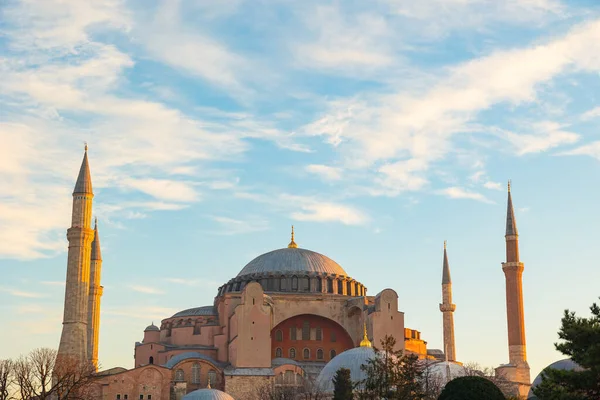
<point>93,327</point>
<point>73,340</point>
<point>447,309</point>
<point>518,369</point>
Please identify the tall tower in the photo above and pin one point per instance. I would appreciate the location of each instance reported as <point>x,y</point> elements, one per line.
<point>447,309</point>
<point>518,369</point>
<point>95,293</point>
<point>73,340</point>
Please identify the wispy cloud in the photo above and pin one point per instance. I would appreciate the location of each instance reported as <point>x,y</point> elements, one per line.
<point>325,171</point>
<point>493,185</point>
<point>146,289</point>
<point>460,193</point>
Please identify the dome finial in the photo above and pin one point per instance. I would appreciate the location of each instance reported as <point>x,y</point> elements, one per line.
<point>365,342</point>
<point>292,244</point>
<point>444,245</point>
<point>509,186</point>
<point>85,146</point>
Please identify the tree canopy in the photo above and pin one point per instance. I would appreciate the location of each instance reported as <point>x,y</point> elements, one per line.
<point>581,342</point>
<point>471,388</point>
<point>342,385</point>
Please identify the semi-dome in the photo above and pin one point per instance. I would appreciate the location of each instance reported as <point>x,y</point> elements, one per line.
<point>192,312</point>
<point>351,359</point>
<point>292,259</point>
<point>207,394</point>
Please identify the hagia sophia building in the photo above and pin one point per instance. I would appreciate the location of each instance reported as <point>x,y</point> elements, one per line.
<point>288,315</point>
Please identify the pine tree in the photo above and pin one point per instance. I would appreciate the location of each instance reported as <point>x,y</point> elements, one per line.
<point>581,342</point>
<point>392,375</point>
<point>342,385</point>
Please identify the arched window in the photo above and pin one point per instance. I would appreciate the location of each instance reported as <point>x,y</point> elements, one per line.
<point>294,283</point>
<point>289,378</point>
<point>237,286</point>
<point>151,360</point>
<point>304,284</point>
<point>179,376</point>
<point>212,377</point>
<point>319,285</point>
<point>279,379</point>
<point>319,334</point>
<point>279,335</point>
<point>340,286</point>
<point>306,330</point>
<point>292,353</point>
<point>196,373</point>
<point>271,284</point>
<point>332,354</point>
<point>329,285</point>
<point>263,283</point>
<point>319,354</point>
<point>348,288</point>
<point>293,333</point>
<point>283,284</point>
<point>278,352</point>
<point>306,354</point>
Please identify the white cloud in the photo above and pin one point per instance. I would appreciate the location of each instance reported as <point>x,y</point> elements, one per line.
<point>493,185</point>
<point>319,211</point>
<point>477,176</point>
<point>145,289</point>
<point>547,135</point>
<point>460,193</point>
<point>325,171</point>
<point>164,189</point>
<point>591,114</point>
<point>591,149</point>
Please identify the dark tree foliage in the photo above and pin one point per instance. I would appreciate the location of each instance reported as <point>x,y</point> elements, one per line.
<point>471,388</point>
<point>392,375</point>
<point>342,385</point>
<point>581,342</point>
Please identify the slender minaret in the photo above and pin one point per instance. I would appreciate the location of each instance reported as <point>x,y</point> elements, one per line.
<point>73,340</point>
<point>447,309</point>
<point>94,298</point>
<point>513,272</point>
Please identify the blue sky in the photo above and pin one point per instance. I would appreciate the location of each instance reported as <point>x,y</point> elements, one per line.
<point>380,129</point>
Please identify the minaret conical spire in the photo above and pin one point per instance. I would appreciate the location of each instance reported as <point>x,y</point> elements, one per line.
<point>84,179</point>
<point>511,222</point>
<point>96,253</point>
<point>446,268</point>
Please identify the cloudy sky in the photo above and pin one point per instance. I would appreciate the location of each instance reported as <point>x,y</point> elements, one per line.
<point>378,128</point>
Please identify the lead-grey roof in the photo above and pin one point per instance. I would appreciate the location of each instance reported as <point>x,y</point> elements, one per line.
<point>207,394</point>
<point>84,179</point>
<point>292,260</point>
<point>190,312</point>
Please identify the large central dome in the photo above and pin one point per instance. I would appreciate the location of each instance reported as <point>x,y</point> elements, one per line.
<point>292,260</point>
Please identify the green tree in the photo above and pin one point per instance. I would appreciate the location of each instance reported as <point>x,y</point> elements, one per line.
<point>471,388</point>
<point>581,342</point>
<point>342,385</point>
<point>392,375</point>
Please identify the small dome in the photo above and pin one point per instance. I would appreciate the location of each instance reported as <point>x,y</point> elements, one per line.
<point>152,328</point>
<point>351,359</point>
<point>566,365</point>
<point>207,394</point>
<point>292,260</point>
<point>444,368</point>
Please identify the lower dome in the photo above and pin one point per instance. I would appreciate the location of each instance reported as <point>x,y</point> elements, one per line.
<point>351,359</point>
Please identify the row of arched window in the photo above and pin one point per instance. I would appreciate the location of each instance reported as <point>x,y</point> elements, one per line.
<point>298,284</point>
<point>305,353</point>
<point>212,375</point>
<point>305,333</point>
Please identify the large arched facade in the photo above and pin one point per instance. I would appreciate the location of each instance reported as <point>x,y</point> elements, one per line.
<point>309,338</point>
